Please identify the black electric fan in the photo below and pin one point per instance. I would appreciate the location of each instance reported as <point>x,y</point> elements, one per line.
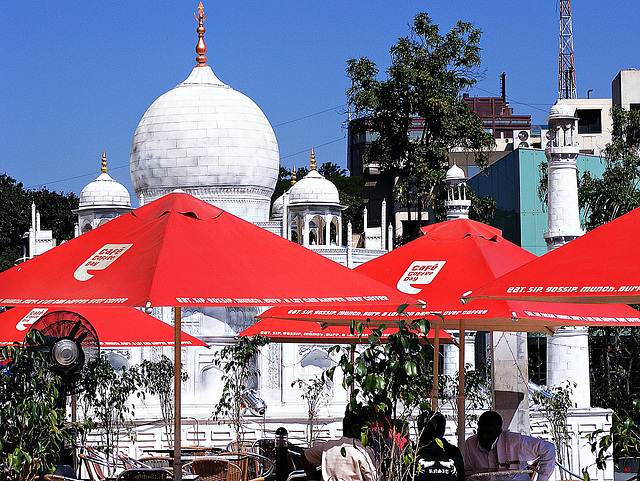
<point>71,343</point>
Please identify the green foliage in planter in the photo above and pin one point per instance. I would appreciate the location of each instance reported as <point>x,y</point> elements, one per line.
<point>622,440</point>
<point>158,380</point>
<point>390,384</point>
<point>236,363</point>
<point>105,394</point>
<point>315,394</point>
<point>32,421</point>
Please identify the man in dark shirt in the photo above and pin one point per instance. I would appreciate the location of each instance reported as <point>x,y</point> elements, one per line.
<point>436,459</point>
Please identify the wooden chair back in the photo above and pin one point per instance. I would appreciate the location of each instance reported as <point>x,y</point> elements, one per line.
<point>214,469</point>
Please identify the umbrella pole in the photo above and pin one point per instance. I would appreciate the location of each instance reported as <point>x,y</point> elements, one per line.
<point>177,375</point>
<point>461,428</point>
<point>436,369</point>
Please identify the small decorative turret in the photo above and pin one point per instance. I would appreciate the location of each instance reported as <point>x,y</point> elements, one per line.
<point>562,154</point>
<point>201,48</point>
<point>457,205</point>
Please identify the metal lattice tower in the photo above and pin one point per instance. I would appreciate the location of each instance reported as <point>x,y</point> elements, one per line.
<point>566,69</point>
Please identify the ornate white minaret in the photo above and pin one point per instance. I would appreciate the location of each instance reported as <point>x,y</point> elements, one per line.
<point>457,205</point>
<point>562,154</point>
<point>567,350</point>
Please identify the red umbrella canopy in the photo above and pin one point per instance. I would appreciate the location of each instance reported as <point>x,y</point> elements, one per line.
<point>116,327</point>
<point>311,332</point>
<point>180,251</point>
<point>454,256</point>
<point>602,266</point>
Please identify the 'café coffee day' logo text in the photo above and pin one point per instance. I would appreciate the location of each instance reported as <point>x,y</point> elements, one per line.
<point>102,259</point>
<point>420,273</point>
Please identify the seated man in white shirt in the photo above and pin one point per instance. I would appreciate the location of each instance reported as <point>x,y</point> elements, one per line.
<point>343,459</point>
<point>495,449</point>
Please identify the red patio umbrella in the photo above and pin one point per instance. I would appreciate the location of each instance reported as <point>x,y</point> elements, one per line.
<point>311,332</point>
<point>602,266</point>
<point>141,329</point>
<point>450,258</point>
<point>180,251</point>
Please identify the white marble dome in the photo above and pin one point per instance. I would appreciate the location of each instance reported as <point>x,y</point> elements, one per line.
<point>104,192</point>
<point>314,189</point>
<point>561,110</point>
<point>210,141</point>
<point>455,173</point>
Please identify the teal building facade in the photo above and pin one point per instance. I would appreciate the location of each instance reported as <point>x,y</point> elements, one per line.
<point>513,182</point>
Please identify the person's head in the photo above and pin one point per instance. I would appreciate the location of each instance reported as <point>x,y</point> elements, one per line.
<point>351,424</point>
<point>431,426</point>
<point>489,428</point>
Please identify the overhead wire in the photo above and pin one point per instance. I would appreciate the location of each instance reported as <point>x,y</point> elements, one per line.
<point>123,166</point>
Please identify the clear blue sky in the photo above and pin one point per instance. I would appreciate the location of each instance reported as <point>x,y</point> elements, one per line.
<point>76,77</point>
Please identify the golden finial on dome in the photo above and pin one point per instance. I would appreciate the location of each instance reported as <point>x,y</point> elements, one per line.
<point>201,48</point>
<point>313,160</point>
<point>104,163</point>
<point>293,176</point>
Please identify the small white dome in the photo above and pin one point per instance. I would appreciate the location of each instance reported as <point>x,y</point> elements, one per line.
<point>277,209</point>
<point>561,110</point>
<point>104,192</point>
<point>314,189</point>
<point>455,173</point>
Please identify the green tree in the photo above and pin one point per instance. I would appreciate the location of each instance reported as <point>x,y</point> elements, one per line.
<point>106,393</point>
<point>428,73</point>
<point>554,405</point>
<point>389,383</point>
<point>32,430</point>
<point>237,363</point>
<point>15,216</point>
<point>616,192</point>
<point>330,170</point>
<point>316,395</point>
<point>158,380</point>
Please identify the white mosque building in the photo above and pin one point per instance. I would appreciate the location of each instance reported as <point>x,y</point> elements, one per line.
<point>213,142</point>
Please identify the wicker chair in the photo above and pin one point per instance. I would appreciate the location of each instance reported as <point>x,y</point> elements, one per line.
<point>145,474</point>
<point>156,461</point>
<point>57,477</point>
<point>214,469</point>
<point>96,464</point>
<point>240,446</point>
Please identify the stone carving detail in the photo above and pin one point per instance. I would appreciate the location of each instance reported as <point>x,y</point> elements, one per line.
<point>274,366</point>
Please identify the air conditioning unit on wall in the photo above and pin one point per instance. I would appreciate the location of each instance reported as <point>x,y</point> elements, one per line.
<point>521,138</point>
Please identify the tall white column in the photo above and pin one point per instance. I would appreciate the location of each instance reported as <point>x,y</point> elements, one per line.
<point>568,362</point>
<point>383,222</point>
<point>567,351</point>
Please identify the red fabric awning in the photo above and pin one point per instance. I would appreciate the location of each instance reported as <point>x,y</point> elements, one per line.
<point>449,259</point>
<point>181,251</point>
<point>116,327</point>
<point>602,266</point>
<point>311,332</point>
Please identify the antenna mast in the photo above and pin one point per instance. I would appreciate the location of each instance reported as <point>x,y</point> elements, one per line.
<point>567,68</point>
